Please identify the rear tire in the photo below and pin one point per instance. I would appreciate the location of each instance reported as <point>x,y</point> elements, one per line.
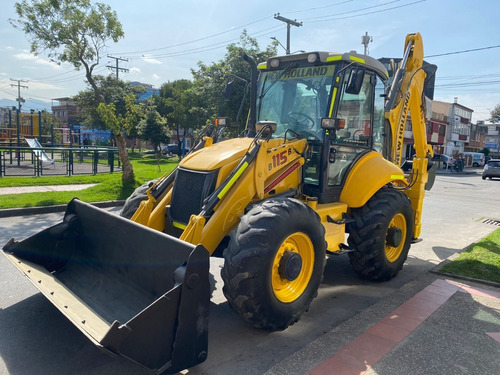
<point>132,203</point>
<point>274,263</point>
<point>381,235</point>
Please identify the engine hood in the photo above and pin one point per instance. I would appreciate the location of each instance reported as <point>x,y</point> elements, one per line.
<point>217,155</point>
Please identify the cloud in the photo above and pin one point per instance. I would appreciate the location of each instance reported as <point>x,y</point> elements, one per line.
<point>150,59</point>
<point>156,77</point>
<point>26,56</point>
<point>134,70</point>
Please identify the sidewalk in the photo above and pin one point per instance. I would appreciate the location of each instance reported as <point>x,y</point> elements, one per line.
<point>44,188</point>
<point>432,325</point>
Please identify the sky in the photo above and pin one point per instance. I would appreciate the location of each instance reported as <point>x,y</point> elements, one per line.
<point>164,40</point>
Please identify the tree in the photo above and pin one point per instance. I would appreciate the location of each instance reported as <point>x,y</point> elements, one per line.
<point>485,151</point>
<point>49,122</point>
<point>495,114</point>
<point>152,127</point>
<point>76,32</point>
<point>119,123</point>
<point>112,91</point>
<point>210,80</point>
<point>182,106</point>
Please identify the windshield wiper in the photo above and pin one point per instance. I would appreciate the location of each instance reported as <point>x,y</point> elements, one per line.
<point>285,71</point>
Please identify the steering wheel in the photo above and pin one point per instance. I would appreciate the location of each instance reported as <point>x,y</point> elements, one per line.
<point>301,119</point>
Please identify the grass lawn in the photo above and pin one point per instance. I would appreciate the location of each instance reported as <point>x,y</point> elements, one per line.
<point>480,261</point>
<point>110,186</point>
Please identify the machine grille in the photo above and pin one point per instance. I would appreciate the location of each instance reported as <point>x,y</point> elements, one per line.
<point>190,190</point>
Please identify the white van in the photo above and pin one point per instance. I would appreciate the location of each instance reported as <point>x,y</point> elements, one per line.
<point>477,158</point>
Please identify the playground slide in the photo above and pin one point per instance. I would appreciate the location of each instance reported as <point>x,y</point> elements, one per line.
<point>40,154</point>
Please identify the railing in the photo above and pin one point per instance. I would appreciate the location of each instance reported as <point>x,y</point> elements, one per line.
<point>52,161</point>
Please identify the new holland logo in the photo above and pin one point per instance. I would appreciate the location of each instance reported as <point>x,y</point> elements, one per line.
<point>401,128</point>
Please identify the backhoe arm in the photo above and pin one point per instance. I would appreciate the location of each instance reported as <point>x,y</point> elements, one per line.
<point>406,98</point>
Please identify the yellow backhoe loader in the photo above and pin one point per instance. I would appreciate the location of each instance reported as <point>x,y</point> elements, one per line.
<point>320,162</point>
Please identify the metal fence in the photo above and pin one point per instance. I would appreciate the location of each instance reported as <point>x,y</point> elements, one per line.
<point>53,161</point>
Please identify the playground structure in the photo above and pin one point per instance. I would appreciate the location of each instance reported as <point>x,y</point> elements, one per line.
<point>29,149</point>
<point>20,125</point>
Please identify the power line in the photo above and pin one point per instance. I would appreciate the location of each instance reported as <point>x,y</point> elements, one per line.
<point>316,8</point>
<point>195,40</point>
<point>210,46</point>
<point>351,11</point>
<point>364,14</point>
<point>464,51</point>
<point>117,68</point>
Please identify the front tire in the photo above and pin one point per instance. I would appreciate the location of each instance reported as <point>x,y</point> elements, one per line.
<point>274,263</point>
<point>381,235</point>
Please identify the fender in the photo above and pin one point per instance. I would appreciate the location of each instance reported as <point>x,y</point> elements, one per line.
<point>367,176</point>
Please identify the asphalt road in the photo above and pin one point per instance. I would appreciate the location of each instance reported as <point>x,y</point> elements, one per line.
<point>36,339</point>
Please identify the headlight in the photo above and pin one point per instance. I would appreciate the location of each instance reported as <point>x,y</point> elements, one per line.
<point>275,63</point>
<point>312,57</point>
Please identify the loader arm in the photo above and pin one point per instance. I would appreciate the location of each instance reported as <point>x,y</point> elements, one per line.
<point>257,176</point>
<point>405,98</point>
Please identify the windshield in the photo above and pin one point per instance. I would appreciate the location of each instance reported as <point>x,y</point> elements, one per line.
<point>295,99</point>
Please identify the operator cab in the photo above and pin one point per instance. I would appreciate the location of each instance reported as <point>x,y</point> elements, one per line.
<point>334,101</point>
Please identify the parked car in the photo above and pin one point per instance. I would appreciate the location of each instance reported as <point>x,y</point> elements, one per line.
<point>491,169</point>
<point>446,161</point>
<point>173,149</point>
<point>478,158</point>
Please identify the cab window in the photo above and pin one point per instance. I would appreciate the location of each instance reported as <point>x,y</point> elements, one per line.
<point>356,111</point>
<point>356,135</point>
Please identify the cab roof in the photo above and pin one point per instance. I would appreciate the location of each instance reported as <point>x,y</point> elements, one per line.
<point>328,57</point>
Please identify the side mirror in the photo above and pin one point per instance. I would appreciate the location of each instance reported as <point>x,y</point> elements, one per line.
<point>355,81</point>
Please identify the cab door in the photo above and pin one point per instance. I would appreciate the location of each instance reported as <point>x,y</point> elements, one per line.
<point>355,110</point>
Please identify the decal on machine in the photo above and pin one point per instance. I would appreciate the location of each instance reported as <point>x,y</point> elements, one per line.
<point>280,158</point>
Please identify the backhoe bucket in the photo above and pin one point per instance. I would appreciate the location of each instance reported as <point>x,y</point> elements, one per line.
<point>133,291</point>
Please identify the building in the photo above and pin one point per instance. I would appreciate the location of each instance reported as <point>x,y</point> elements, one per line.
<point>150,90</point>
<point>458,128</point>
<point>477,138</point>
<point>492,139</point>
<point>66,111</point>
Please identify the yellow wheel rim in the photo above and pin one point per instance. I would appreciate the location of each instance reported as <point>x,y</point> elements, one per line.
<point>392,253</point>
<point>284,289</point>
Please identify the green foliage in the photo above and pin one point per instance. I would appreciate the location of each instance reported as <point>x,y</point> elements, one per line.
<point>110,186</point>
<point>181,105</point>
<point>49,119</point>
<point>73,31</point>
<point>152,127</point>
<point>113,92</point>
<point>210,80</point>
<point>495,114</point>
<point>480,261</point>
<point>485,151</point>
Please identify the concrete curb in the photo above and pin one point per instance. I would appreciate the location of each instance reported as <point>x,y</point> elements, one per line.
<point>437,268</point>
<point>9,212</point>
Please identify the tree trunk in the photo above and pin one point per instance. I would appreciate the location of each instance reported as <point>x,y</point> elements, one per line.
<point>128,172</point>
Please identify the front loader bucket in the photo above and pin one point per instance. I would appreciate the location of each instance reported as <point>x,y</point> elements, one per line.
<point>133,291</point>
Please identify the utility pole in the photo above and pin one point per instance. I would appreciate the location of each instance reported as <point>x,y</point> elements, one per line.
<point>288,23</point>
<point>365,40</point>
<point>19,99</point>
<point>116,67</point>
